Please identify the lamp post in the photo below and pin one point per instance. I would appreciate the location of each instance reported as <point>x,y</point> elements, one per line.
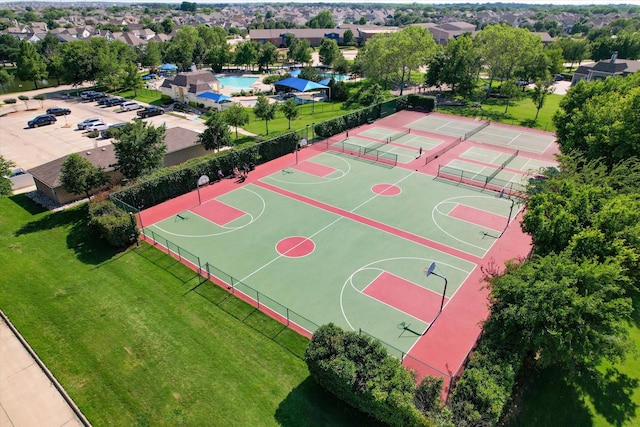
<point>429,272</point>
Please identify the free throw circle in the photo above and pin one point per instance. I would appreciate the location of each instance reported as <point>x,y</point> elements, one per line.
<point>386,189</point>
<point>295,247</point>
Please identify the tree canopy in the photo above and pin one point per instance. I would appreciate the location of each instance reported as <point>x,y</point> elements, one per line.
<point>139,148</point>
<point>79,176</point>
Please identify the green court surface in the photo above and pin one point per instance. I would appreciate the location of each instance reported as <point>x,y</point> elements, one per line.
<point>405,155</point>
<point>497,158</point>
<point>516,139</point>
<point>444,125</point>
<point>339,240</point>
<point>476,172</point>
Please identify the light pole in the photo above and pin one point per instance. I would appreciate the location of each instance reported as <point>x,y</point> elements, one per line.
<point>428,273</point>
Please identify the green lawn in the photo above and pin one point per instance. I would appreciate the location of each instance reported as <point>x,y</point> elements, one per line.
<point>136,339</point>
<point>550,399</point>
<point>520,113</point>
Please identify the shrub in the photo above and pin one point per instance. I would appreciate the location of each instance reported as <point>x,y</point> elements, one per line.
<point>113,224</point>
<point>358,370</point>
<point>421,102</point>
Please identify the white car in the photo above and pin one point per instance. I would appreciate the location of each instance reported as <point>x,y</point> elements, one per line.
<point>83,124</point>
<point>96,126</point>
<point>128,106</point>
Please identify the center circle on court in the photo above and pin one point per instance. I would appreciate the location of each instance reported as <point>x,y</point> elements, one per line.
<point>295,247</point>
<point>387,190</point>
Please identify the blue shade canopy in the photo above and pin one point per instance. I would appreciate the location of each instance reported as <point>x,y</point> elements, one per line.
<point>215,97</point>
<point>301,85</point>
<point>325,82</point>
<point>166,67</point>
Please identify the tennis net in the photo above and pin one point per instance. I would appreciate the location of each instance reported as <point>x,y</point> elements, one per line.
<point>476,130</point>
<point>398,135</point>
<point>484,182</point>
<point>368,153</point>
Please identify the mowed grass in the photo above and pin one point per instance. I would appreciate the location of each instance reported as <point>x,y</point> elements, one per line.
<point>136,339</point>
<point>551,399</point>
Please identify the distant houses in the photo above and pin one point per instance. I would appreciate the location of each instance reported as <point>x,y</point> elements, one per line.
<point>603,69</point>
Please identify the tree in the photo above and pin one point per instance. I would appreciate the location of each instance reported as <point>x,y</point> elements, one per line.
<point>410,49</point>
<point>9,48</point>
<point>340,65</point>
<point>139,148</point>
<point>25,99</point>
<point>324,19</point>
<point>599,119</point>
<point>216,135</point>
<point>347,38</point>
<point>246,54</point>
<point>5,171</point>
<point>290,110</point>
<point>573,50</point>
<point>167,25</point>
<point>236,116</point>
<point>181,47</point>
<point>80,62</point>
<point>569,313</point>
<point>505,50</point>
<point>79,176</point>
<point>131,79</point>
<point>5,80</point>
<point>328,51</point>
<point>264,110</point>
<point>300,51</point>
<point>267,54</point>
<point>151,57</point>
<point>539,94</point>
<point>457,65</point>
<point>40,97</point>
<point>30,64</point>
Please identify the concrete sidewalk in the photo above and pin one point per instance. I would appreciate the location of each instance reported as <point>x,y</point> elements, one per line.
<point>29,394</point>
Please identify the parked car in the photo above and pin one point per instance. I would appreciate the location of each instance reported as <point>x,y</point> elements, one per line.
<point>109,132</point>
<point>103,100</point>
<point>87,93</point>
<point>94,96</point>
<point>83,124</point>
<point>114,101</point>
<point>45,119</point>
<point>558,77</point>
<point>99,97</point>
<point>129,106</point>
<point>99,126</point>
<point>57,111</point>
<point>150,111</point>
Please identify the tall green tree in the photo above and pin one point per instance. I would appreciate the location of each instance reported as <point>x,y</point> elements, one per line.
<point>267,55</point>
<point>457,65</point>
<point>574,50</point>
<point>328,52</point>
<point>290,110</point>
<point>236,116</point>
<point>5,171</point>
<point>348,38</point>
<point>324,19</point>
<point>246,54</point>
<point>216,134</point>
<point>80,62</point>
<point>79,176</point>
<point>9,48</point>
<point>539,95</point>
<point>30,64</point>
<point>181,47</point>
<point>300,51</point>
<point>5,80</point>
<point>264,110</point>
<point>139,148</point>
<point>131,78</point>
<point>151,56</point>
<point>409,49</point>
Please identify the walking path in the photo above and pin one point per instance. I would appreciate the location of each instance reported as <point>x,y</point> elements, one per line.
<point>29,394</point>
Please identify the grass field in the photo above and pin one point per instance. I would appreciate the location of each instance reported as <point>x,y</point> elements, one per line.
<point>133,346</point>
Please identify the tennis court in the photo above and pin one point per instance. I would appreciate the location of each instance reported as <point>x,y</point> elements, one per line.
<point>445,125</point>
<point>337,240</point>
<point>381,133</point>
<point>518,139</point>
<point>481,174</point>
<point>364,146</point>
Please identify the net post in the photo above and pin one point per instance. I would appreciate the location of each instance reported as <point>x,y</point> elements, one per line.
<point>233,285</point>
<point>287,316</point>
<point>258,299</point>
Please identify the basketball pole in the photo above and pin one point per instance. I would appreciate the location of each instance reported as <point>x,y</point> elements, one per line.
<point>508,219</point>
<point>428,273</point>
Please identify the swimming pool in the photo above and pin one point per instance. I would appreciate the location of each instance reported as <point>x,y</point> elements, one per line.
<point>336,77</point>
<point>238,82</point>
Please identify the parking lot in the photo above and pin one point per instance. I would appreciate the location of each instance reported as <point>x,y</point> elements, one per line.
<point>30,147</point>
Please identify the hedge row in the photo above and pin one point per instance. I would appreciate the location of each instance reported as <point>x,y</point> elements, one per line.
<point>113,224</point>
<point>358,370</point>
<point>166,184</point>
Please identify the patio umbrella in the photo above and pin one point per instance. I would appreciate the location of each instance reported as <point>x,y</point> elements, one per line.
<point>168,67</point>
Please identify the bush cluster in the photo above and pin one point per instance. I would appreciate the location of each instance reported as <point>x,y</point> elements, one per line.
<point>421,102</point>
<point>358,370</point>
<point>113,224</point>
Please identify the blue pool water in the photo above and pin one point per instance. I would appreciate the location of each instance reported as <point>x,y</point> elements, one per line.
<point>238,82</point>
<point>336,77</point>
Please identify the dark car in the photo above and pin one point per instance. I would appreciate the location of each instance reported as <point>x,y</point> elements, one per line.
<point>87,93</point>
<point>56,111</point>
<point>95,96</point>
<point>103,101</point>
<point>45,119</point>
<point>150,112</point>
<point>114,101</point>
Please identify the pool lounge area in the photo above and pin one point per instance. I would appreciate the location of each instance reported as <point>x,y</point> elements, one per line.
<point>237,82</point>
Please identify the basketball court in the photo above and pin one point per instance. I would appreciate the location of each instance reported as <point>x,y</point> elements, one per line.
<point>392,252</point>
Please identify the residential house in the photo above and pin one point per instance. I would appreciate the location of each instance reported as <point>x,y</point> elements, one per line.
<point>603,69</point>
<point>184,87</point>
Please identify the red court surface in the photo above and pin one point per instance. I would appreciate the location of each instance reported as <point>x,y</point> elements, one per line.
<point>295,247</point>
<point>479,217</point>
<point>217,212</point>
<point>445,348</point>
<point>387,190</point>
<point>421,303</point>
<point>314,169</point>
